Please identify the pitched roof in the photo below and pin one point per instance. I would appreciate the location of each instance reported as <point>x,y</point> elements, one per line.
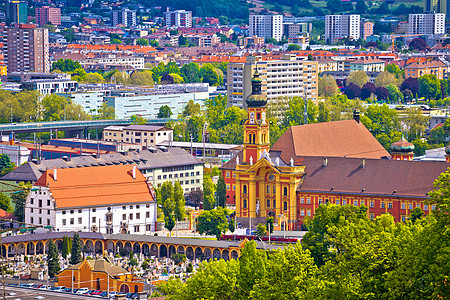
<point>346,138</point>
<point>385,177</point>
<point>26,172</point>
<point>96,186</point>
<point>101,265</point>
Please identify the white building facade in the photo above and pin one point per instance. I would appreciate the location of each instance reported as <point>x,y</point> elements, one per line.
<point>341,26</point>
<point>266,26</point>
<point>426,23</point>
<point>178,18</point>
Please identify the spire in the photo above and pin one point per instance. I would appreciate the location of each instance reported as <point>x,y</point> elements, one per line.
<point>256,99</point>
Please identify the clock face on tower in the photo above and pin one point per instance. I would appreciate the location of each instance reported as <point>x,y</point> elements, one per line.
<point>252,118</point>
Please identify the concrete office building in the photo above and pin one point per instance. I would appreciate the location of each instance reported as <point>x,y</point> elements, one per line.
<point>16,12</point>
<point>342,26</point>
<point>126,17</point>
<point>285,78</point>
<point>438,6</point>
<point>47,14</point>
<point>26,49</point>
<point>266,26</point>
<point>144,135</point>
<point>91,101</point>
<point>426,23</point>
<point>291,30</point>
<point>178,18</point>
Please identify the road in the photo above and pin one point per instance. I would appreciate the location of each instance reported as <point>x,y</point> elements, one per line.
<point>16,293</point>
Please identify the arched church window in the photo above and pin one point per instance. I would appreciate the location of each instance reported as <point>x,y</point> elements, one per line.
<point>244,189</point>
<point>245,203</point>
<point>268,189</point>
<point>274,203</point>
<point>268,202</point>
<point>285,206</point>
<point>285,191</point>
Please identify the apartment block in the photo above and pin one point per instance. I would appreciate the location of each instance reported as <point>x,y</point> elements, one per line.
<point>291,30</point>
<point>145,135</point>
<point>16,12</point>
<point>26,49</point>
<point>178,18</point>
<point>338,27</point>
<point>47,14</point>
<point>284,78</point>
<point>266,26</point>
<point>366,29</point>
<point>426,23</point>
<point>438,6</point>
<point>126,17</point>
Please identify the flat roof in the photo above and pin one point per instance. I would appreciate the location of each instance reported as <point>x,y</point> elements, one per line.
<point>199,145</point>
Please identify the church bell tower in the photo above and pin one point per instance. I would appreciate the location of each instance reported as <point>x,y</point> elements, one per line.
<point>256,127</point>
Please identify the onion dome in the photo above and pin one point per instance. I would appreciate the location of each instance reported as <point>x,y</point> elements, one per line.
<point>402,146</point>
<point>256,98</point>
<point>447,150</point>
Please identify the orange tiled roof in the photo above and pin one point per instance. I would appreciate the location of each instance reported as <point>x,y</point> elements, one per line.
<point>132,48</point>
<point>96,186</point>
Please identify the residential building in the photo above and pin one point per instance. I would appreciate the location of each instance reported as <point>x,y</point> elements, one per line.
<point>132,62</point>
<point>145,135</point>
<point>47,14</point>
<point>285,78</point>
<point>26,49</point>
<point>299,40</point>
<point>91,101</point>
<point>434,67</point>
<point>146,102</point>
<point>3,69</point>
<point>45,86</point>
<point>366,29</point>
<point>338,27</point>
<point>441,6</point>
<point>328,64</point>
<point>304,170</point>
<point>266,26</point>
<point>364,64</point>
<point>426,23</point>
<point>253,41</point>
<point>178,18</point>
<point>17,153</point>
<point>100,274</point>
<point>291,30</point>
<point>125,17</point>
<point>16,12</point>
<point>95,199</point>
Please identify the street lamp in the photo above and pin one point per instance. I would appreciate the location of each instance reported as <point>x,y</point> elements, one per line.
<point>47,268</point>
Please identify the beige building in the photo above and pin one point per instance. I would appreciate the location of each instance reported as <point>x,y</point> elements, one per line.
<point>145,135</point>
<point>285,78</point>
<point>26,49</point>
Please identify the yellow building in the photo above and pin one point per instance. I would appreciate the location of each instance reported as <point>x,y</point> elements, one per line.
<point>415,70</point>
<point>3,69</point>
<point>99,274</point>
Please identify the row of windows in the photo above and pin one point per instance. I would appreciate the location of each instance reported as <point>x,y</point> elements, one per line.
<point>371,203</point>
<point>274,202</point>
<point>40,211</point>
<point>181,175</point>
<point>39,202</point>
<point>285,190</point>
<point>130,216</point>
<point>39,221</point>
<point>179,168</point>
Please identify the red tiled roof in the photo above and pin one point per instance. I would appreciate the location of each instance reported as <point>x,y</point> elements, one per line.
<point>96,186</point>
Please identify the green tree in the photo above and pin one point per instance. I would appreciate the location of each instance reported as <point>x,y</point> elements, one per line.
<point>66,246</point>
<point>177,79</point>
<point>142,78</point>
<point>5,203</point>
<point>429,86</point>
<point>190,72</point>
<point>92,78</point>
<point>261,230</point>
<point>221,192</point>
<point>66,65</point>
<point>164,112</point>
<point>76,256</point>
<point>5,162</point>
<point>182,40</point>
<point>18,198</point>
<point>138,120</point>
<point>327,86</point>
<point>208,193</point>
<point>179,201</point>
<point>142,42</point>
<point>324,113</point>
<point>416,214</point>
<point>294,47</point>
<point>415,122</point>
<point>52,259</point>
<point>395,96</point>
<point>213,222</point>
<point>269,223</point>
<point>437,135</point>
<point>106,112</point>
<point>178,258</point>
<point>394,69</point>
<point>385,79</point>
<point>359,78</point>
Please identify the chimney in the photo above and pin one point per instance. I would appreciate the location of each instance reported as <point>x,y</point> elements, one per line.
<point>55,174</point>
<point>325,162</point>
<point>356,115</point>
<point>134,172</point>
<point>363,163</point>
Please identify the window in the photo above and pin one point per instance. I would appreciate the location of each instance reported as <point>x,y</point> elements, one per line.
<point>302,212</point>
<point>186,174</point>
<point>147,214</point>
<point>40,203</point>
<point>338,202</point>
<point>244,189</point>
<point>32,201</point>
<point>64,222</point>
<point>390,205</point>
<point>308,200</point>
<point>80,220</point>
<point>418,205</point>
<point>320,201</point>
<point>137,206</point>
<point>245,203</point>
<point>94,210</point>
<point>138,216</point>
<point>371,217</point>
<point>308,213</point>
<point>268,189</point>
<point>344,202</point>
<point>108,217</point>
<point>32,220</point>
<point>410,206</point>
<point>268,202</point>
<point>131,217</point>
<point>285,206</point>
<point>124,217</point>
<point>72,221</point>
<point>425,207</point>
<point>197,173</point>
<point>186,182</point>
<point>228,187</point>
<point>32,210</point>
<point>274,190</point>
<point>285,191</point>
<point>94,219</point>
<point>355,202</point>
<point>403,206</point>
<point>48,222</point>
<point>433,207</point>
<point>48,212</point>
<point>131,206</point>
<point>372,204</point>
<point>124,207</point>
<point>164,176</point>
<point>382,205</point>
<point>48,202</point>
<point>192,174</point>
<point>302,200</point>
<point>403,219</point>
<point>80,211</point>
<point>362,202</point>
<point>274,203</point>
<point>159,177</point>
<point>136,228</point>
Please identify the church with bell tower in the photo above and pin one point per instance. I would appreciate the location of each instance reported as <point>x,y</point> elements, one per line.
<point>265,184</point>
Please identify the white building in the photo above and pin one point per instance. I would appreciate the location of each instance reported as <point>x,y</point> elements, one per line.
<point>51,86</point>
<point>91,101</point>
<point>426,23</point>
<point>341,26</point>
<point>105,199</point>
<point>266,26</point>
<point>145,135</point>
<point>178,18</point>
<point>125,17</point>
<point>146,102</point>
<point>17,154</point>
<point>137,63</point>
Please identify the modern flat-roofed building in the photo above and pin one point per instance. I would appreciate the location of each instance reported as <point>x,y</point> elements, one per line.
<point>145,135</point>
<point>96,199</point>
<point>284,78</point>
<point>427,23</point>
<point>16,12</point>
<point>342,26</point>
<point>126,17</point>
<point>178,18</point>
<point>48,14</point>
<point>26,49</point>
<point>266,26</point>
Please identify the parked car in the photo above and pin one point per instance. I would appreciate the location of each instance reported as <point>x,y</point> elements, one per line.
<point>59,288</point>
<point>82,291</point>
<point>67,290</point>
<point>103,294</point>
<point>96,293</point>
